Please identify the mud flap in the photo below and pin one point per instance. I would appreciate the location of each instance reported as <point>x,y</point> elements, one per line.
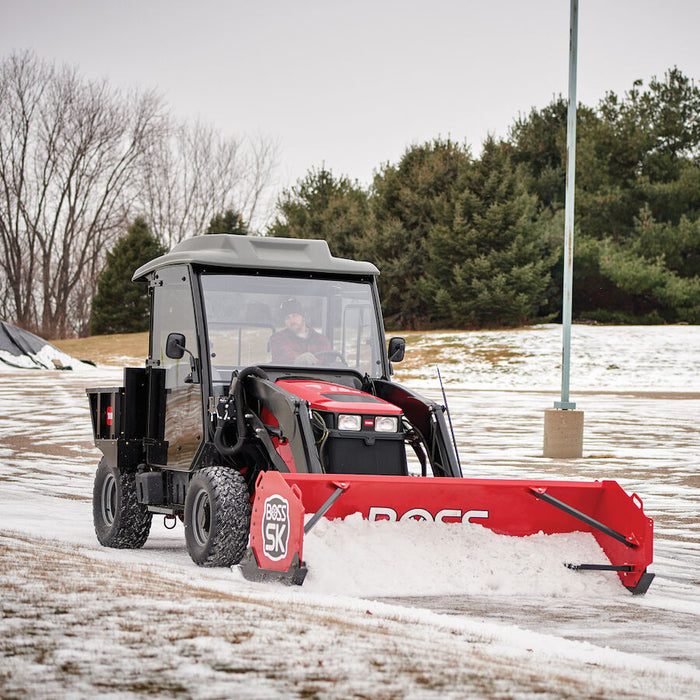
<point>276,533</point>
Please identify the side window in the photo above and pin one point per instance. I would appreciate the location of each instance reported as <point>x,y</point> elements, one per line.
<point>358,336</point>
<point>173,312</point>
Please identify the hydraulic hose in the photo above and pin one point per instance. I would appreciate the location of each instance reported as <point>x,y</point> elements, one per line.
<point>221,446</point>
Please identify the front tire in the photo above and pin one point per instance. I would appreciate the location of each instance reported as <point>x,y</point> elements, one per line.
<point>217,517</point>
<point>120,520</point>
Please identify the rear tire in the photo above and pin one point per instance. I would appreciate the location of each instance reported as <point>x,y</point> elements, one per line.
<point>120,520</point>
<point>217,517</point>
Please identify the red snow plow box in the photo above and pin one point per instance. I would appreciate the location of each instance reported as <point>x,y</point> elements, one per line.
<point>507,507</point>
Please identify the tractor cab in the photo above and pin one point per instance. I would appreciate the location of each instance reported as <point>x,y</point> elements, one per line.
<point>302,333</point>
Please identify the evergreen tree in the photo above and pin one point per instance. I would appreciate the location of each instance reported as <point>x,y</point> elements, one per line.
<point>479,242</point>
<point>652,278</point>
<point>490,266</point>
<point>637,198</point>
<point>538,142</point>
<point>228,222</point>
<point>120,305</point>
<point>409,201</point>
<point>456,239</point>
<point>324,206</point>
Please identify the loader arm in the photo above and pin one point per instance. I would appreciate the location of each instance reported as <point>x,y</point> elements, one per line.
<point>292,417</point>
<point>428,418</point>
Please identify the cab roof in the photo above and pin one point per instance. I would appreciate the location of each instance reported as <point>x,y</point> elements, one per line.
<point>260,253</point>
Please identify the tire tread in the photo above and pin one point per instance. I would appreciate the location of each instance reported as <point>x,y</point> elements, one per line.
<point>132,523</point>
<point>230,517</point>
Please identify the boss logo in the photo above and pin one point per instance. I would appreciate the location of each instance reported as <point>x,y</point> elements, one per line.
<point>444,515</point>
<point>275,527</point>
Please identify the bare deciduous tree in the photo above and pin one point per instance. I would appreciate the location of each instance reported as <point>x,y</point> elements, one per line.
<point>196,173</point>
<point>77,161</point>
<point>69,149</point>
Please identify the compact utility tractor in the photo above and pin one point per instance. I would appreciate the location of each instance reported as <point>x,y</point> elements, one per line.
<point>266,403</point>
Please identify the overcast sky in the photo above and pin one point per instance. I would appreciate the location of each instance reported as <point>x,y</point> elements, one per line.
<point>352,84</point>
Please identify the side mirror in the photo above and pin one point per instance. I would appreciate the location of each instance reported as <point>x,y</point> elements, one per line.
<point>397,349</point>
<point>175,346</point>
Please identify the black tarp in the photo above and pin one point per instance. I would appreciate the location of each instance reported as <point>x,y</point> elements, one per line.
<point>25,346</point>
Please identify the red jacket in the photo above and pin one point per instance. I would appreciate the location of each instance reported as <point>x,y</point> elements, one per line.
<point>286,346</point>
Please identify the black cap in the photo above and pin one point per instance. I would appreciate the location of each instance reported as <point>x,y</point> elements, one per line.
<point>291,306</point>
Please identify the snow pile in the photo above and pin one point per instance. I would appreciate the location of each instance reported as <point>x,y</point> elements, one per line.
<point>410,558</point>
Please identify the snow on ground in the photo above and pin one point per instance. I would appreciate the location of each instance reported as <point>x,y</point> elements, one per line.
<point>79,622</point>
<point>635,358</point>
<point>388,609</point>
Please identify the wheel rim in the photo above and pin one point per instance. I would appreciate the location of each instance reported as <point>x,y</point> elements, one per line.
<point>201,518</point>
<point>109,499</point>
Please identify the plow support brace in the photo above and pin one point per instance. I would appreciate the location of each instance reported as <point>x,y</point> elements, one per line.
<point>340,488</point>
<point>540,493</point>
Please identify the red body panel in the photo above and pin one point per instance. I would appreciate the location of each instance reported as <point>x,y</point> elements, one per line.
<point>334,398</point>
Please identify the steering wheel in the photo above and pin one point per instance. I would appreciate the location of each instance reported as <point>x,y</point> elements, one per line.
<point>327,357</point>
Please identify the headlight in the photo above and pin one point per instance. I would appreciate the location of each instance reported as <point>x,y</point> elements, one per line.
<point>386,424</point>
<point>349,422</point>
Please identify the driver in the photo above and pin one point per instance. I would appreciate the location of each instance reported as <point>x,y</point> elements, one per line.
<point>297,343</point>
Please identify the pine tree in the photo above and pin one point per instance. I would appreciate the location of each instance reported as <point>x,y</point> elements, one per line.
<point>120,305</point>
<point>324,206</point>
<point>409,201</point>
<point>229,222</point>
<point>490,266</point>
<point>637,199</point>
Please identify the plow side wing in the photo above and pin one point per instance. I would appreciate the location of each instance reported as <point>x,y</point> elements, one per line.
<point>507,507</point>
<point>276,548</point>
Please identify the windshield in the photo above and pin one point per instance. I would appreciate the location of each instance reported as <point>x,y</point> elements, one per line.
<point>254,320</point>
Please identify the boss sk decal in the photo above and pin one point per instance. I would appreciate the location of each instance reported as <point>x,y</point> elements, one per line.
<point>275,527</point>
<point>446,515</point>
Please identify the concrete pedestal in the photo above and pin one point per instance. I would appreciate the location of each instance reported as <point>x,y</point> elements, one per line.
<point>563,433</point>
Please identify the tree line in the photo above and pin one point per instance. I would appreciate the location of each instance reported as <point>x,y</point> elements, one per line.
<point>468,242</point>
<point>94,182</point>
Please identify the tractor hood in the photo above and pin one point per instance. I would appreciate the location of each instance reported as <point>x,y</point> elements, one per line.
<point>326,396</point>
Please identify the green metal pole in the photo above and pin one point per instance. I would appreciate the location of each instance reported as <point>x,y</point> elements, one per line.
<point>569,213</point>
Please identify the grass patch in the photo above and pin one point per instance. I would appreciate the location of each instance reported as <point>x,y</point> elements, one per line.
<point>106,349</point>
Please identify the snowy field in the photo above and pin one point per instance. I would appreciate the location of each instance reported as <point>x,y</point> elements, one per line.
<point>388,610</point>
